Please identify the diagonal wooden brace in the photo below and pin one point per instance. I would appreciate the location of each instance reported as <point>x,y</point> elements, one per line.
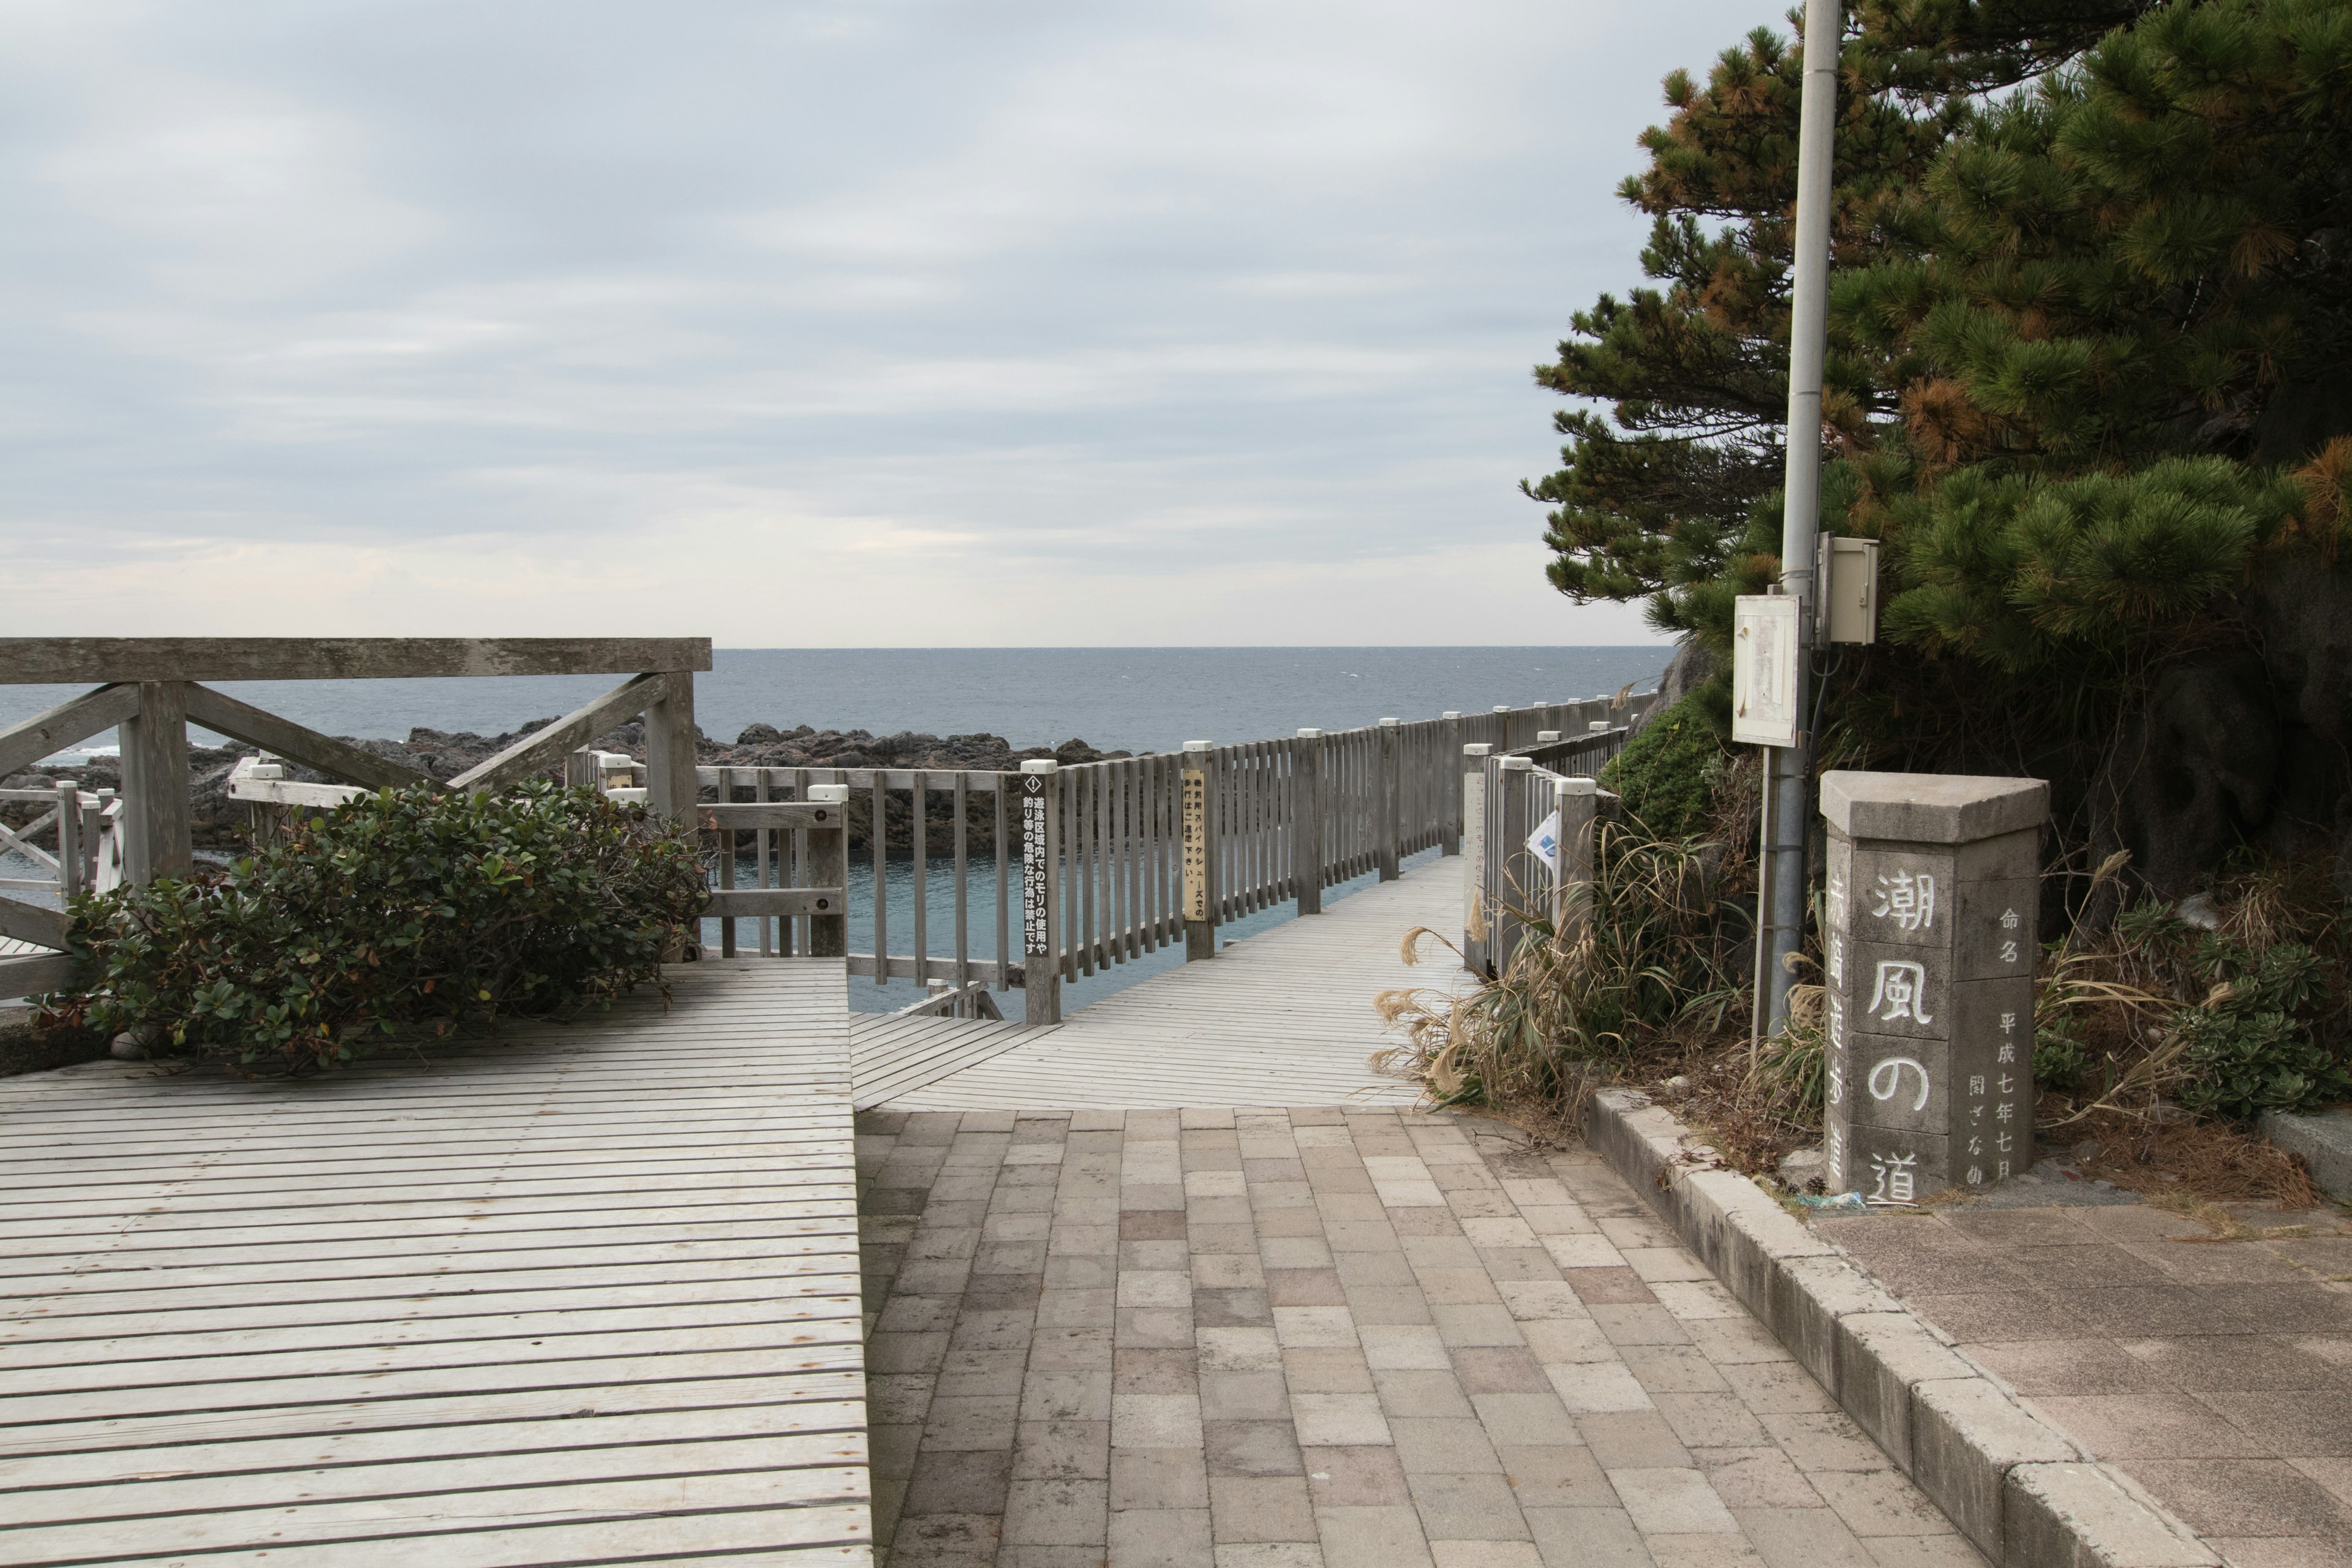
<point>75,720</point>
<point>575,729</point>
<point>296,743</point>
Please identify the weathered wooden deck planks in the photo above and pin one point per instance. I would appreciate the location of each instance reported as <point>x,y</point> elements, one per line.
<point>891,1054</point>
<point>584,1294</point>
<point>1283,1019</point>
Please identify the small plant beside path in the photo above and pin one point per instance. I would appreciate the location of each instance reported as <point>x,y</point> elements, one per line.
<point>399,912</point>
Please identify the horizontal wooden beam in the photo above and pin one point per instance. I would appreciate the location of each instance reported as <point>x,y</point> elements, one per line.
<point>901,966</point>
<point>34,924</point>
<point>291,792</point>
<point>38,974</point>
<point>76,719</point>
<point>752,903</point>
<point>27,661</point>
<point>938,780</point>
<point>575,730</point>
<point>297,743</point>
<point>774,814</point>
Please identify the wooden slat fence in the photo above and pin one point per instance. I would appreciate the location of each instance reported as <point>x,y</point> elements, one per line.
<point>1512,793</point>
<point>1287,819</point>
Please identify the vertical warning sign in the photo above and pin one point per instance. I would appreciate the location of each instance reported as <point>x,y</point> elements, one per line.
<point>1036,869</point>
<point>1195,801</point>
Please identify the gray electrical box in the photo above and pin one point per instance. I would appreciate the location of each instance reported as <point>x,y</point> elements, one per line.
<point>1848,588</point>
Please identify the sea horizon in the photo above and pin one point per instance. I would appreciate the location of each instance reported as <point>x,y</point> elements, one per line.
<point>1117,698</point>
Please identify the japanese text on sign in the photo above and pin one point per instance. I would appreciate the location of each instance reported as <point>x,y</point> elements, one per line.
<point>1037,936</point>
<point>1196,846</point>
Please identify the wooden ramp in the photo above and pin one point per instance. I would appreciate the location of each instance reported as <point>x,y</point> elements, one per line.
<point>585,1294</point>
<point>893,1054</point>
<point>1283,1019</point>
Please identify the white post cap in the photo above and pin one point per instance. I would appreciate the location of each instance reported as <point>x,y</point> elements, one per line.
<point>1517,764</point>
<point>1477,749</point>
<point>1040,765</point>
<point>1390,722</point>
<point>1545,737</point>
<point>1596,726</point>
<point>1576,786</point>
<point>1502,708</point>
<point>1450,713</point>
<point>1191,746</point>
<point>1310,734</point>
<point>828,795</point>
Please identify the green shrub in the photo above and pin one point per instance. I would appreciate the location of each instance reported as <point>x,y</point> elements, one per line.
<point>2244,1050</point>
<point>406,910</point>
<point>1667,773</point>
<point>2060,1057</point>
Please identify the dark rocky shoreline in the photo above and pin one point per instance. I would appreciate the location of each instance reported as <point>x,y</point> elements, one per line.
<point>220,822</point>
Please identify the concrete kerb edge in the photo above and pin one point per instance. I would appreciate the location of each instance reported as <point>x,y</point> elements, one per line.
<point>2016,1486</point>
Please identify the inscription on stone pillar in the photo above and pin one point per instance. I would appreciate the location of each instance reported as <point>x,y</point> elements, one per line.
<point>1929,914</point>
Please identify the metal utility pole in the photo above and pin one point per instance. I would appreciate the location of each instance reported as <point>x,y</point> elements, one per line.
<point>1787,770</point>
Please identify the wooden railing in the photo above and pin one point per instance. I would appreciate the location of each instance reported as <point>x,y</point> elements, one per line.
<point>1280,821</point>
<point>1114,865</point>
<point>1271,821</point>
<point>1514,800</point>
<point>151,689</point>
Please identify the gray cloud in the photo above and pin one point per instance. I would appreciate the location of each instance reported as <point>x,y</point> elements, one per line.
<point>813,324</point>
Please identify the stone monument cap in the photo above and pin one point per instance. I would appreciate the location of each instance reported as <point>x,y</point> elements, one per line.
<point>1931,808</point>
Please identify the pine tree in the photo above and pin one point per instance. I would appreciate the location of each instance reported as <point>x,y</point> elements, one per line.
<point>2088,353</point>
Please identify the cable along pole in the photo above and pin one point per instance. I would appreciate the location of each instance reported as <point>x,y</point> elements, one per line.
<point>1787,770</point>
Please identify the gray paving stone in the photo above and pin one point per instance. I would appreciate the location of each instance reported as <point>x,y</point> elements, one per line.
<point>1466,1506</point>
<point>1218,1345</point>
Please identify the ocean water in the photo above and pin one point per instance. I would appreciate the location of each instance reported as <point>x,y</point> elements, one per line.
<point>1117,698</point>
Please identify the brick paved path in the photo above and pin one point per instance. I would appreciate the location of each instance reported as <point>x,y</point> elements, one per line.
<point>1325,1339</point>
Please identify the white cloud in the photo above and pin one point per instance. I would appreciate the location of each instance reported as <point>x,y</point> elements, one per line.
<point>818,323</point>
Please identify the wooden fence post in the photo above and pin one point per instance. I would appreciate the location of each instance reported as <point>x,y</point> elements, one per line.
<point>71,873</point>
<point>1450,747</point>
<point>1307,833</point>
<point>1473,853</point>
<point>1390,765</point>
<point>1576,800</point>
<point>670,787</point>
<point>828,867</point>
<point>1515,885</point>
<point>1200,856</point>
<point>1040,894</point>
<point>157,839</point>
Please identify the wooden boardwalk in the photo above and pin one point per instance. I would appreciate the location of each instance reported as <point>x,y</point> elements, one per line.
<point>1284,1018</point>
<point>586,1294</point>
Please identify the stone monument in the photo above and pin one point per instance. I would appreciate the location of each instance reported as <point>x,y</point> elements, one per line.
<point>1928,952</point>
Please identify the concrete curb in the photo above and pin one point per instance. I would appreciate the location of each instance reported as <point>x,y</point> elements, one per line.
<point>2016,1486</point>
<point>2324,1141</point>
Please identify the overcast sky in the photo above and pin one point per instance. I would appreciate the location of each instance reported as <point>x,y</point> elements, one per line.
<point>807,325</point>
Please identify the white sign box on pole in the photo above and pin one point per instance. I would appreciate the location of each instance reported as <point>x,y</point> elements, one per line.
<point>1764,652</point>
